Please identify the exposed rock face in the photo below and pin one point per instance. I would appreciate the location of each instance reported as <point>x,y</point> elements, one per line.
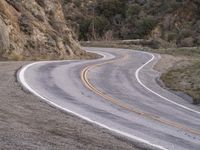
<point>4,37</point>
<point>35,29</point>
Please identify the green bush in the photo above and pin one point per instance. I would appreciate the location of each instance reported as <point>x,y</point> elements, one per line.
<point>77,3</point>
<point>84,28</point>
<point>109,8</point>
<point>154,44</point>
<point>64,1</point>
<point>171,36</point>
<point>97,25</point>
<point>100,25</point>
<point>133,9</point>
<point>145,26</point>
<point>133,19</point>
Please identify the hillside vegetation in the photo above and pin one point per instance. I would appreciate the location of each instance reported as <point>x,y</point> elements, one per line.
<point>169,22</point>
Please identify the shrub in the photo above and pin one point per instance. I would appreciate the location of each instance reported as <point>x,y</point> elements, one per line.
<point>197,3</point>
<point>84,26</point>
<point>64,1</point>
<point>109,8</point>
<point>154,44</point>
<point>171,36</point>
<point>77,3</point>
<point>184,33</point>
<point>187,42</point>
<point>133,9</point>
<point>197,40</point>
<point>99,24</point>
<point>108,36</point>
<point>141,2</point>
<point>145,26</point>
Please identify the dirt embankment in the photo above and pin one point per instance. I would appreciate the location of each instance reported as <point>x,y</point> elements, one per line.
<point>168,61</point>
<point>181,74</point>
<point>26,122</point>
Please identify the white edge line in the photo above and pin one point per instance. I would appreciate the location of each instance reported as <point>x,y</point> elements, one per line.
<point>21,79</point>
<point>140,82</point>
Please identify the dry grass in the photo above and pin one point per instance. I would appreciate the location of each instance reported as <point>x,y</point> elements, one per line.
<point>185,79</point>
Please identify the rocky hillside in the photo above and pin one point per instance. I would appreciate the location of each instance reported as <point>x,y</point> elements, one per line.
<point>171,22</point>
<point>35,29</point>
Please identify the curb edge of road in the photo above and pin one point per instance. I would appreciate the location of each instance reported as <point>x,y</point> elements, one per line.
<point>140,143</point>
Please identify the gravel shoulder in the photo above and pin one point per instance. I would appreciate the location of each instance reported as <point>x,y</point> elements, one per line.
<point>26,122</point>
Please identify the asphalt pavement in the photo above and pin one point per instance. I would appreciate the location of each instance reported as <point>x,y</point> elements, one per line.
<point>118,92</point>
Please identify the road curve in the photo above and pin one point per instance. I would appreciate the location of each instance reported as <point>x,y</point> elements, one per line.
<point>118,92</point>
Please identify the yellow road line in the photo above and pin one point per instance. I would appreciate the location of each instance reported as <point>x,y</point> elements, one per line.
<point>89,85</point>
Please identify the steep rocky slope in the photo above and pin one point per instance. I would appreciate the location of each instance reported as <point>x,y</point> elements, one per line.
<point>35,29</point>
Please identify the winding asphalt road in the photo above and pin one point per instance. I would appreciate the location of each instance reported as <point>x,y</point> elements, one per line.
<point>118,92</point>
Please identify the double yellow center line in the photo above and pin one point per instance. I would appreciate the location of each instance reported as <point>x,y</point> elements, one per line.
<point>89,85</point>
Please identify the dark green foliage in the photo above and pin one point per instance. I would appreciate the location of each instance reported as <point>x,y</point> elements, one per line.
<point>154,44</point>
<point>132,10</point>
<point>64,1</point>
<point>77,3</point>
<point>197,3</point>
<point>100,25</point>
<point>133,19</point>
<point>109,8</point>
<point>84,29</point>
<point>145,26</point>
<point>171,37</point>
<point>122,17</point>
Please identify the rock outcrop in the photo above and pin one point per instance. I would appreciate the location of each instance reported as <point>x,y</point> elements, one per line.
<point>35,30</point>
